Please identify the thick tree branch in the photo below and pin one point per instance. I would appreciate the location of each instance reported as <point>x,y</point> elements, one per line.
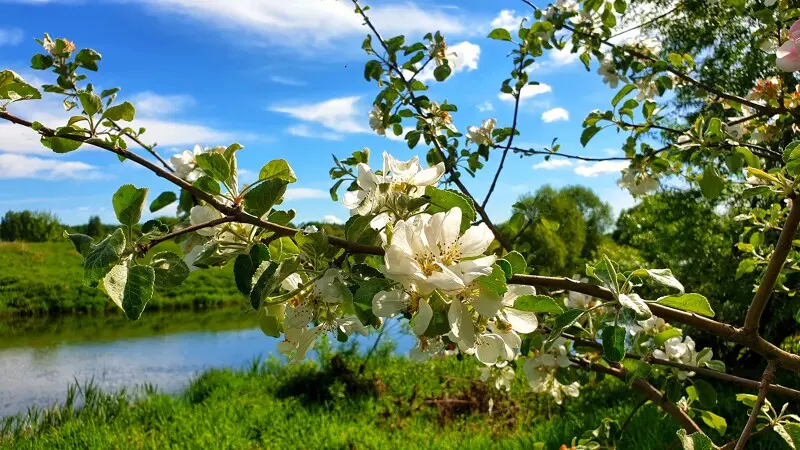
<point>756,343</point>
<point>766,379</point>
<point>764,291</point>
<point>647,389</point>
<point>702,371</point>
<point>236,214</point>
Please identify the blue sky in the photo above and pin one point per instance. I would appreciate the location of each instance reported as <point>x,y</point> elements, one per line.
<point>283,78</point>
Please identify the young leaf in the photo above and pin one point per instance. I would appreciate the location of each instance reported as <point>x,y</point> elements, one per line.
<point>259,200</point>
<point>170,269</point>
<point>165,198</point>
<point>695,441</point>
<point>517,261</point>
<point>538,303</point>
<point>637,305</point>
<point>500,34</point>
<point>214,165</point>
<point>694,303</point>
<point>60,144</point>
<point>719,424</point>
<point>82,242</point>
<point>588,133</point>
<point>283,248</point>
<point>130,288</point>
<point>622,93</point>
<point>124,111</point>
<point>613,343</point>
<point>245,267</point>
<point>705,393</point>
<point>103,256</point>
<point>362,301</point>
<point>445,200</point>
<point>660,276</point>
<point>277,169</point>
<point>495,281</point>
<point>564,321</point>
<point>128,202</point>
<point>665,335</point>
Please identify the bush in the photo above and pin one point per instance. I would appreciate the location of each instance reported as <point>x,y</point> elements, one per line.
<point>30,226</point>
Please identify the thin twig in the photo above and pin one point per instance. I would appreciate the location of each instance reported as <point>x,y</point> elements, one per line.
<point>766,379</point>
<point>767,285</point>
<point>437,146</point>
<point>150,148</point>
<point>649,22</point>
<point>144,248</point>
<point>630,417</point>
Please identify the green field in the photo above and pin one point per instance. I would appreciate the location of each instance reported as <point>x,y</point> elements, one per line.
<point>47,278</point>
<point>393,404</point>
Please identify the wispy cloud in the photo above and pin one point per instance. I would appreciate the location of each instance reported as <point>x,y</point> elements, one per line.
<point>600,168</point>
<point>304,194</point>
<point>341,115</point>
<point>150,104</point>
<point>286,81</point>
<point>486,106</point>
<point>22,166</point>
<point>309,24</point>
<point>528,91</point>
<point>508,19</point>
<point>305,131</point>
<point>552,164</point>
<point>555,114</point>
<point>10,36</point>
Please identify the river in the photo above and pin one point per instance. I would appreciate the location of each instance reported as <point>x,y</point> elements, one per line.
<point>40,357</point>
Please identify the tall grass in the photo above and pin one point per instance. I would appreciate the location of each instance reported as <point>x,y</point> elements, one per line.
<point>328,404</point>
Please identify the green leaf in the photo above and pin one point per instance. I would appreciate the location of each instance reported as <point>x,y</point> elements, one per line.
<point>635,368</point>
<point>538,304</point>
<point>506,266</point>
<point>277,169</point>
<point>41,62</point>
<point>358,229</point>
<point>154,227</point>
<point>660,276</point>
<point>637,305</point>
<point>500,34</point>
<point>268,278</point>
<point>207,184</point>
<point>790,432</point>
<point>517,261</point>
<point>694,303</point>
<point>705,393</point>
<point>103,256</point>
<point>87,58</point>
<point>124,111</point>
<point>165,198</point>
<point>90,102</point>
<point>362,301</point>
<point>665,335</point>
<point>588,134</point>
<point>60,144</point>
<point>283,248</point>
<point>245,267</point>
<point>719,424</point>
<point>745,266</point>
<point>259,200</point>
<point>443,200</point>
<point>214,165</point>
<point>170,269</point>
<point>130,288</point>
<point>564,321</point>
<point>711,184</point>
<point>128,202</point>
<point>613,343</point>
<point>442,72</point>
<point>81,242</point>
<point>269,324</point>
<point>14,88</point>
<point>621,94</point>
<point>495,281</point>
<point>695,441</point>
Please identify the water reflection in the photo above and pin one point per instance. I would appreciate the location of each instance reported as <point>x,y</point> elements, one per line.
<point>38,360</point>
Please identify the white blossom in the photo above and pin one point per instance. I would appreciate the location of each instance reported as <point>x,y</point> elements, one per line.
<point>330,288</point>
<point>540,370</point>
<point>502,374</point>
<point>609,73</point>
<point>578,300</point>
<point>482,135</point>
<point>679,350</point>
<point>201,214</point>
<point>636,183</point>
<point>376,120</point>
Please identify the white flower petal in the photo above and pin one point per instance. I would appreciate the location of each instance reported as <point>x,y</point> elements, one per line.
<point>475,240</point>
<point>423,318</point>
<point>429,176</point>
<point>521,321</point>
<point>487,304</point>
<point>390,303</point>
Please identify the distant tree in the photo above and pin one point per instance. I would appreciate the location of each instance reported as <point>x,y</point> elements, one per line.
<point>30,226</point>
<point>95,227</point>
<point>564,227</point>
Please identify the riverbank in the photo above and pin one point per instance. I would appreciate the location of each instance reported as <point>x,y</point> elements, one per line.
<point>46,278</point>
<point>394,404</point>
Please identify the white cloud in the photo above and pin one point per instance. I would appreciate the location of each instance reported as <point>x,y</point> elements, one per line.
<point>304,194</point>
<point>21,166</point>
<point>150,104</point>
<point>305,131</point>
<point>555,114</point>
<point>486,106</point>
<point>341,115</point>
<point>286,81</point>
<point>332,220</point>
<point>507,19</point>
<point>528,91</point>
<point>10,36</point>
<point>462,56</point>
<point>555,59</point>
<point>552,164</point>
<point>309,24</point>
<point>611,151</point>
<point>601,168</point>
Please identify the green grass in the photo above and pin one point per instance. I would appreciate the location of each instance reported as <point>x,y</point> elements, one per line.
<point>394,404</point>
<point>47,278</point>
